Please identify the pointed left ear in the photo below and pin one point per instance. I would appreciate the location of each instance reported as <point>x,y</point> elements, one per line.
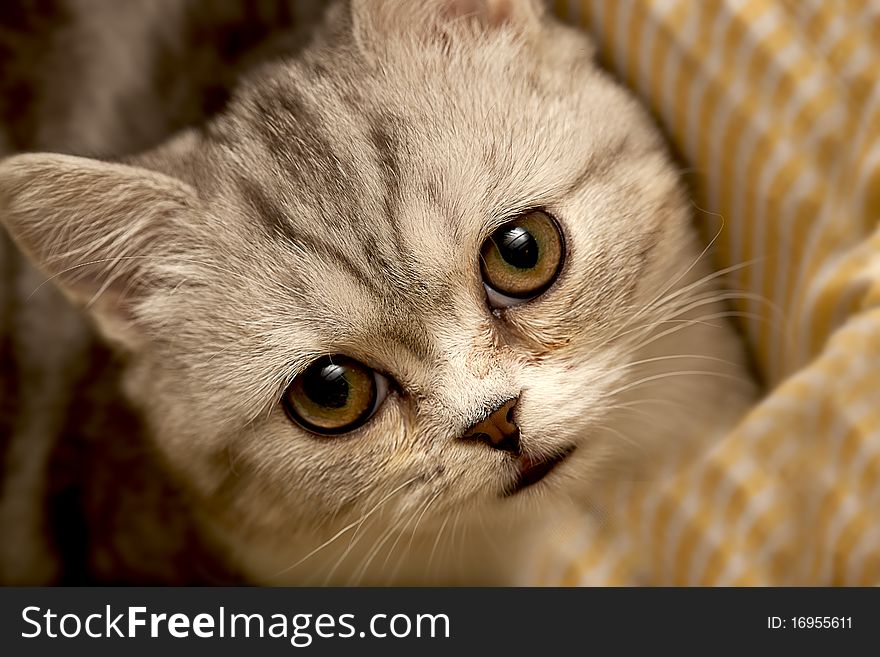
<point>493,14</point>
<point>102,231</point>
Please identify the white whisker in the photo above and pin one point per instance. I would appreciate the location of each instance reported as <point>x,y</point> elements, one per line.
<point>347,528</point>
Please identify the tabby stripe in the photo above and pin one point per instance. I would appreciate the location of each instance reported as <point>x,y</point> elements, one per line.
<point>281,107</point>
<point>389,167</point>
<point>274,222</point>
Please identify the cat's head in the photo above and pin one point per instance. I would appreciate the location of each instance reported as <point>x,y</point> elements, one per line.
<point>399,277</point>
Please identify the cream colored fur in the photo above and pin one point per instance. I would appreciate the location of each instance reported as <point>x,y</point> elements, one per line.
<point>421,128</point>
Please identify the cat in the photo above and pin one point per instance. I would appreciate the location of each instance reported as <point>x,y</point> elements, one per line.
<point>406,300</point>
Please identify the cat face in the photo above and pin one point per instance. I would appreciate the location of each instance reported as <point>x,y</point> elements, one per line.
<point>405,276</point>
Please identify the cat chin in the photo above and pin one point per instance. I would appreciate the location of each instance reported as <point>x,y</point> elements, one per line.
<point>466,557</point>
<point>486,545</point>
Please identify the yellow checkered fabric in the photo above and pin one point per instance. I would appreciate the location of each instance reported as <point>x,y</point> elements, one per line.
<point>775,107</point>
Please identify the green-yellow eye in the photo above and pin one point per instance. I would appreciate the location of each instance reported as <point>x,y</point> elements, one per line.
<point>522,258</point>
<point>336,394</point>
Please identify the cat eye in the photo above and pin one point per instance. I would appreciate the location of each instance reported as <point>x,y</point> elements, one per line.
<point>521,259</point>
<point>336,394</point>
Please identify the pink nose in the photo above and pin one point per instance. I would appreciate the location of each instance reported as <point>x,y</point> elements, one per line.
<point>498,429</point>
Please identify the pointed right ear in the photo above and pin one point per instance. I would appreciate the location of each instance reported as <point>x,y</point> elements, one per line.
<point>375,20</point>
<point>101,230</point>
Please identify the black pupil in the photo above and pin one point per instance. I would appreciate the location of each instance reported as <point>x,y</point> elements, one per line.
<point>517,246</point>
<point>326,386</point>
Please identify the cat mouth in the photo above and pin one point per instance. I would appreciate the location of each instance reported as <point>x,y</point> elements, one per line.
<point>532,470</point>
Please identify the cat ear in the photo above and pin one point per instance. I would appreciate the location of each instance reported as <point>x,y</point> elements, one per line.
<point>431,19</point>
<point>98,229</point>
<point>493,14</point>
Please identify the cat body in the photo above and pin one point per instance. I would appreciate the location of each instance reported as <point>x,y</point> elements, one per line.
<point>340,206</point>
